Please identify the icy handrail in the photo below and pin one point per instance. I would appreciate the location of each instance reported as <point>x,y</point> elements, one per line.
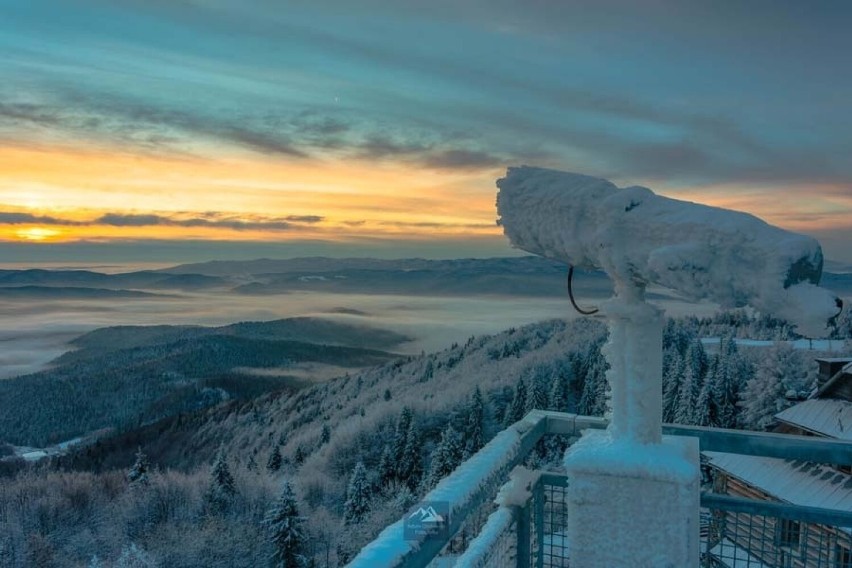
<point>462,490</point>
<point>481,549</point>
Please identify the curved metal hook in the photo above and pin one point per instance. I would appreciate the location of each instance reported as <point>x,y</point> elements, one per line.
<point>571,294</point>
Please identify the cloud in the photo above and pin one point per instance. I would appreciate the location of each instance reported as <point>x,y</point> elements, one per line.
<point>203,220</point>
<point>437,225</point>
<point>305,218</point>
<point>462,160</point>
<point>148,220</point>
<point>14,218</point>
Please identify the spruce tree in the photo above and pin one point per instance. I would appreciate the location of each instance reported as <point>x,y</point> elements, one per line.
<point>764,394</point>
<point>251,464</point>
<point>673,372</point>
<point>560,391</point>
<point>273,464</point>
<point>221,490</point>
<point>446,456</point>
<point>473,433</point>
<point>693,371</point>
<point>593,401</point>
<point>409,468</point>
<point>387,471</point>
<point>726,385</point>
<point>325,436</point>
<point>519,403</point>
<point>358,496</point>
<point>402,425</point>
<point>536,396</point>
<point>138,474</point>
<point>286,531</point>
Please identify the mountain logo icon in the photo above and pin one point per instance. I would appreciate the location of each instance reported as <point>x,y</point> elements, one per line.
<point>426,515</point>
<point>428,519</point>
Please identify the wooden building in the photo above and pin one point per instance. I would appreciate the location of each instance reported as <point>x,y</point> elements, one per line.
<point>756,541</point>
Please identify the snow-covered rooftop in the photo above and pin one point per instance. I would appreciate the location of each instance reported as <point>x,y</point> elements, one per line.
<point>827,416</point>
<point>791,481</point>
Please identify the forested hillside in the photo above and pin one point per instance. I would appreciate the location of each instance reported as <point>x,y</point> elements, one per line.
<point>360,449</point>
<point>128,376</point>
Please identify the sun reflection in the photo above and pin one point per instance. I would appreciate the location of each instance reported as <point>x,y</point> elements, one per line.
<point>36,234</point>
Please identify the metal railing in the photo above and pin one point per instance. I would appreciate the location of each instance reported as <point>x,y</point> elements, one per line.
<point>736,532</point>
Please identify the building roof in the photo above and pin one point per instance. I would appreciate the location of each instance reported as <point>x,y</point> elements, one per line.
<point>826,416</point>
<point>790,481</point>
<point>844,374</point>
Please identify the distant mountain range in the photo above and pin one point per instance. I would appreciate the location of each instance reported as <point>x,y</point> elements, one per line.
<point>514,276</point>
<point>70,293</point>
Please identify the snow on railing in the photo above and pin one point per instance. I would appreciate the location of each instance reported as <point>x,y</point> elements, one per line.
<point>476,481</point>
<point>467,487</point>
<point>494,541</point>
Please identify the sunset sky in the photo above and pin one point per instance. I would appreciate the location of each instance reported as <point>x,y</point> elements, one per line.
<point>170,130</point>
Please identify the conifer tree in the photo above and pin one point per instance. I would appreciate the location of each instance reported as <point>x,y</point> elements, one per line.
<point>300,456</point>
<point>221,490</point>
<point>701,415</point>
<point>286,531</point>
<point>560,391</point>
<point>536,396</point>
<point>326,434</point>
<point>402,426</point>
<point>358,495</point>
<point>273,464</point>
<point>519,403</point>
<point>726,384</point>
<point>474,436</point>
<point>764,394</point>
<point>409,469</point>
<point>692,381</point>
<point>593,401</point>
<point>446,456</point>
<point>251,464</point>
<point>672,380</point>
<point>138,474</point>
<point>387,471</point>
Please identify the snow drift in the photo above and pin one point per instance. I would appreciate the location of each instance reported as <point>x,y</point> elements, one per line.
<point>638,237</point>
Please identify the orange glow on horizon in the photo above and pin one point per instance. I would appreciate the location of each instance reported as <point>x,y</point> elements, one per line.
<point>355,199</point>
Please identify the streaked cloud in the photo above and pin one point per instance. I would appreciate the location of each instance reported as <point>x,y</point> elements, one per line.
<point>344,121</point>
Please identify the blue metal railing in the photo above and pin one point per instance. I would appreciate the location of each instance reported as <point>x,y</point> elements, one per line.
<point>530,535</point>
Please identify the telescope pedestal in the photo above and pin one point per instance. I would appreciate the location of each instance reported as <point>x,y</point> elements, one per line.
<point>633,496</point>
<point>632,506</point>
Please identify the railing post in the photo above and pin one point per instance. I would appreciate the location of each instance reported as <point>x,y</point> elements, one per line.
<point>522,527</point>
<point>538,519</point>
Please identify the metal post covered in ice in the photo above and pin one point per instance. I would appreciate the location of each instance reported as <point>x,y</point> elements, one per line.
<point>633,494</point>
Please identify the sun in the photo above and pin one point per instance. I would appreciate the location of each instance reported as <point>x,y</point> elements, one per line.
<point>36,234</point>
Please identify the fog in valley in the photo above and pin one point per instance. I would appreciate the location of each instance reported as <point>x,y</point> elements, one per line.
<point>32,333</point>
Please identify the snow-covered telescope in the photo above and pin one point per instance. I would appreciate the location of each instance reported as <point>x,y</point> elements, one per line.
<point>640,238</point>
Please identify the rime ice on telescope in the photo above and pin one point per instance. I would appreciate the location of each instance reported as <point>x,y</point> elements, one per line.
<point>639,238</point>
<point>641,487</point>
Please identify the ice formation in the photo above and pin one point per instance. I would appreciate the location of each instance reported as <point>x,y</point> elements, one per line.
<point>638,238</point>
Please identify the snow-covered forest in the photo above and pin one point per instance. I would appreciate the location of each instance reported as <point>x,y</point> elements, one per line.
<point>300,477</point>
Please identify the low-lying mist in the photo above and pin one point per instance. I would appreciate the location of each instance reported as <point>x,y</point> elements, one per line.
<point>35,332</point>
